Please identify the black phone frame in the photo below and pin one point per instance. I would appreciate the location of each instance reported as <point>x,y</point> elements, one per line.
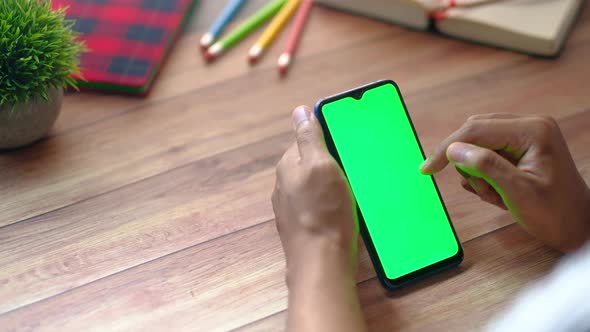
<point>408,279</point>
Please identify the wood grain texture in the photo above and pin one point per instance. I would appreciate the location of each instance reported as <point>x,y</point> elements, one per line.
<point>233,280</point>
<point>497,266</point>
<point>186,71</point>
<point>186,206</point>
<point>154,213</point>
<point>469,307</point>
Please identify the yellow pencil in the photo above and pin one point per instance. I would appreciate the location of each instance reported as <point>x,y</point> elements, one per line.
<point>273,29</point>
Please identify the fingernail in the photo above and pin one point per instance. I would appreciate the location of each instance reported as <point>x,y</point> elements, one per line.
<point>300,115</point>
<point>424,167</point>
<point>457,152</point>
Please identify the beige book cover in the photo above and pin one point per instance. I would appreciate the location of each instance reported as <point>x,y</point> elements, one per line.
<point>538,27</point>
<point>409,13</point>
<point>533,26</point>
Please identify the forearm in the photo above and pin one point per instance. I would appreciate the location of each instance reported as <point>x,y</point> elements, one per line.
<point>323,296</point>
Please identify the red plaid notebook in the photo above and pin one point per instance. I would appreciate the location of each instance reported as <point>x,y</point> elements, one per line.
<point>128,40</point>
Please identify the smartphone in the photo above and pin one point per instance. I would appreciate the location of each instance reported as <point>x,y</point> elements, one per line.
<point>402,217</point>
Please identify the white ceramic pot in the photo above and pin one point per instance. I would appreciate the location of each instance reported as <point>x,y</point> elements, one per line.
<point>30,121</point>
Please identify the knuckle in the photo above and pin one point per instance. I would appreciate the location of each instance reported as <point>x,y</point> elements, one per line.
<point>546,130</point>
<point>542,188</point>
<point>546,125</point>
<point>325,166</point>
<point>304,141</point>
<point>489,116</point>
<point>484,159</point>
<point>321,169</point>
<point>304,133</point>
<point>469,130</point>
<point>474,117</point>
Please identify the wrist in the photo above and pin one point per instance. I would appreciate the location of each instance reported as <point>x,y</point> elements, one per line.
<point>323,295</point>
<point>319,262</point>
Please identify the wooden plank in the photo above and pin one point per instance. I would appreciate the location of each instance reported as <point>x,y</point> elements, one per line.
<point>72,196</point>
<point>496,268</point>
<point>248,264</point>
<point>65,172</point>
<point>61,250</point>
<point>81,243</point>
<point>149,149</point>
<point>461,209</point>
<point>579,140</point>
<point>186,71</point>
<point>174,142</point>
<point>77,245</point>
<point>237,279</point>
<point>273,323</point>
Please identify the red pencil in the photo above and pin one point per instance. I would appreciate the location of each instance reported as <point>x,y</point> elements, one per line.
<point>294,36</point>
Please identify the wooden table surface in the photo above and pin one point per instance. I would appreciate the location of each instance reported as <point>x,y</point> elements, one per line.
<point>154,214</point>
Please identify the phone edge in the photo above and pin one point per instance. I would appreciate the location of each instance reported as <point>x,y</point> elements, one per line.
<point>425,272</point>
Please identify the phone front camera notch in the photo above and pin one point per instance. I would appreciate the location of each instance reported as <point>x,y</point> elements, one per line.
<point>358,94</point>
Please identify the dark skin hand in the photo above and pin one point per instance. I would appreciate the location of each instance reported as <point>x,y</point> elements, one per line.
<point>522,164</point>
<point>519,163</point>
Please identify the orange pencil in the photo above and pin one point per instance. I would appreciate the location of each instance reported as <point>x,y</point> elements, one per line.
<point>301,18</point>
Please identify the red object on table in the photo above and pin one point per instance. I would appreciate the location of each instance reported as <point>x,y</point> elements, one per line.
<point>301,17</point>
<point>128,40</point>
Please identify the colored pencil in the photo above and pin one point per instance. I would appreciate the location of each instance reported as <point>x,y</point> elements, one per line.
<point>295,35</point>
<point>273,30</point>
<point>242,31</point>
<point>227,15</point>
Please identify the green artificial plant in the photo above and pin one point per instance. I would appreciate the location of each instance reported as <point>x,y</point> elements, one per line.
<point>38,50</point>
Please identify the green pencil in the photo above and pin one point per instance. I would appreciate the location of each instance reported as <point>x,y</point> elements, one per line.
<point>242,31</point>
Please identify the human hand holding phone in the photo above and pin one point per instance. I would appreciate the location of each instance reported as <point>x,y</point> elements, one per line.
<point>315,217</point>
<point>312,201</point>
<point>521,163</point>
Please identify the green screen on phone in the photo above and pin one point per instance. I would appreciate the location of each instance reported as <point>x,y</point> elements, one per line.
<point>403,212</point>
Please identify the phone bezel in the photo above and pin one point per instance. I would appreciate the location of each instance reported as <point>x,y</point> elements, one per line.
<point>389,284</point>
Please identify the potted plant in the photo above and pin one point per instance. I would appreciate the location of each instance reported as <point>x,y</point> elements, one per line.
<point>38,55</point>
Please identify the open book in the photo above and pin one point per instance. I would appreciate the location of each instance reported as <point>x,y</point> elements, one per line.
<point>533,26</point>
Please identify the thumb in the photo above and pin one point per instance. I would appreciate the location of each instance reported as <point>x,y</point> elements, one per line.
<point>487,164</point>
<point>310,138</point>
